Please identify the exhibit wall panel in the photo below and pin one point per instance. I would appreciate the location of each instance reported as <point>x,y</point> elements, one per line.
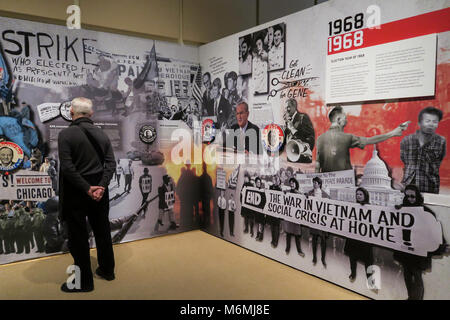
<point>141,89</point>
<point>382,62</point>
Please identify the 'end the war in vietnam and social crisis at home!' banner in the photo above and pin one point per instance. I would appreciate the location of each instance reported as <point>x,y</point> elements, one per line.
<point>408,229</point>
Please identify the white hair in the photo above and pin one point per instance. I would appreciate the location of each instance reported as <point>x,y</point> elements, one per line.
<point>82,106</point>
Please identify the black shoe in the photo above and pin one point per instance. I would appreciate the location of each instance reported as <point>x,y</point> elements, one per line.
<point>160,222</point>
<point>324,264</point>
<point>105,276</point>
<point>300,252</point>
<point>314,261</point>
<point>352,277</point>
<point>64,288</point>
<point>173,226</point>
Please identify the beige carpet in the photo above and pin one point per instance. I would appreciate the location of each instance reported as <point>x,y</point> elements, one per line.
<point>191,265</point>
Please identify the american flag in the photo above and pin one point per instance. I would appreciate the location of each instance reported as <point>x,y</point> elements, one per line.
<point>153,73</point>
<point>196,84</point>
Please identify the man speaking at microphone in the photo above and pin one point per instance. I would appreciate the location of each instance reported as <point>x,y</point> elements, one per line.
<point>87,166</point>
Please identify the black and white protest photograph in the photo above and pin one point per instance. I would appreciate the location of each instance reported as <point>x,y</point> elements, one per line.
<point>183,151</point>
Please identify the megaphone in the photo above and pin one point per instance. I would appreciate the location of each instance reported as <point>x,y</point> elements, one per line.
<point>298,151</point>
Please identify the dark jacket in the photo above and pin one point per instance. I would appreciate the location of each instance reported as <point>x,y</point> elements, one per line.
<point>78,157</point>
<point>80,164</point>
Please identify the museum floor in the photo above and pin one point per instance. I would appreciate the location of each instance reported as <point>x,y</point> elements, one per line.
<point>191,265</point>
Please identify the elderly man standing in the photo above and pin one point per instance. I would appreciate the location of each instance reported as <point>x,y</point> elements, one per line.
<point>87,166</point>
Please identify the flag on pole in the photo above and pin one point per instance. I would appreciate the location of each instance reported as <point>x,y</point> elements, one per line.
<point>153,72</point>
<point>150,70</point>
<point>196,84</point>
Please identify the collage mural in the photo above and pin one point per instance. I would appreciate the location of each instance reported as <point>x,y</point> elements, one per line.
<point>322,140</point>
<point>330,134</point>
<point>138,94</point>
